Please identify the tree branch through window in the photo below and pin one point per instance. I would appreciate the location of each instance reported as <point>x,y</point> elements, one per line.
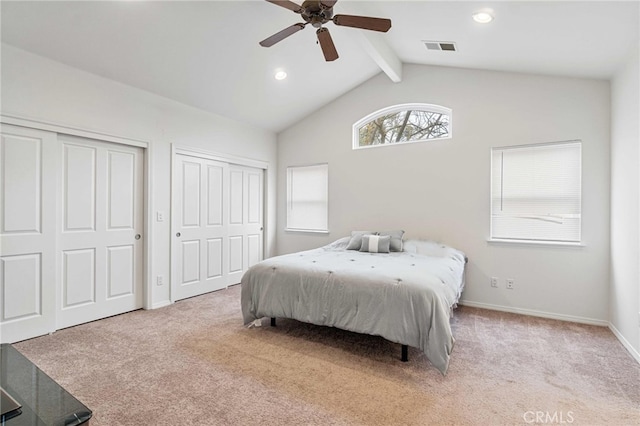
<point>404,125</point>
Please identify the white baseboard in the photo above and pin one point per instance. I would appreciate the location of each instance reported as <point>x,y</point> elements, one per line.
<point>634,353</point>
<point>161,304</point>
<point>534,313</point>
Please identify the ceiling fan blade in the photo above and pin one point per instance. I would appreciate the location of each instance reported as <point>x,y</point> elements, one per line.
<point>328,4</point>
<point>326,43</point>
<point>281,35</point>
<point>288,5</point>
<point>364,22</point>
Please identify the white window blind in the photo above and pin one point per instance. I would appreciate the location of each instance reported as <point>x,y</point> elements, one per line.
<point>307,198</point>
<point>536,192</point>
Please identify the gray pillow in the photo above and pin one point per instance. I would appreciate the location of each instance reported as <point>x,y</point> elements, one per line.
<point>375,243</point>
<point>396,239</point>
<point>356,239</point>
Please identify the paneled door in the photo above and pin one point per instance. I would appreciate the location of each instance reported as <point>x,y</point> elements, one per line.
<point>200,231</point>
<point>245,220</point>
<point>28,233</point>
<point>217,224</point>
<point>101,247</point>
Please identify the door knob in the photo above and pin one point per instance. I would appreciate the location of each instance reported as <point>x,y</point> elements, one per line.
<point>137,237</point>
<point>177,234</point>
<point>261,228</point>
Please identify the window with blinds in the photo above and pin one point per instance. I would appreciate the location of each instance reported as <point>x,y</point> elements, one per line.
<point>536,192</point>
<point>307,198</point>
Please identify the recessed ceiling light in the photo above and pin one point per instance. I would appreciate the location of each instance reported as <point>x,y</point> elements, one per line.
<point>280,75</point>
<point>483,16</point>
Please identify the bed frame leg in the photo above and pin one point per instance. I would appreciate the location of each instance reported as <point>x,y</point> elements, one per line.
<point>273,322</point>
<point>405,353</point>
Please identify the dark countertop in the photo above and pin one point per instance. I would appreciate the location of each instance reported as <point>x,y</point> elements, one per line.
<point>44,402</point>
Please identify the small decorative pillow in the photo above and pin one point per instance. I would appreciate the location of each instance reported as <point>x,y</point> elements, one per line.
<point>356,239</point>
<point>375,243</point>
<point>396,239</point>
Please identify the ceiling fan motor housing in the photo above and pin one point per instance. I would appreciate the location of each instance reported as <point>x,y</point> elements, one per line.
<point>315,13</point>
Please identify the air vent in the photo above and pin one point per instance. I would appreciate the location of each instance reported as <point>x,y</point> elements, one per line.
<point>440,45</point>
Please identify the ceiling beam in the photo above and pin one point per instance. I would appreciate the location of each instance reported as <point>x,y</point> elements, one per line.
<point>383,55</point>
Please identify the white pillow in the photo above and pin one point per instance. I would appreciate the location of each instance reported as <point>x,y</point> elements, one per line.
<point>432,248</point>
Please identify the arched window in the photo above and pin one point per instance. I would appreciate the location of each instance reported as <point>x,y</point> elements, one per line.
<point>403,123</point>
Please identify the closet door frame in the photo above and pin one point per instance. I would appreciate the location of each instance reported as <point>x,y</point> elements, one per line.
<point>177,149</point>
<point>22,121</point>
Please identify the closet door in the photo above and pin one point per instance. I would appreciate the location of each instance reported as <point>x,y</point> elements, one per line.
<point>245,220</point>
<point>217,219</point>
<point>27,233</point>
<point>101,242</point>
<point>200,226</point>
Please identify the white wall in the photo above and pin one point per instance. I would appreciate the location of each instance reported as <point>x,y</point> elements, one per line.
<point>40,89</point>
<point>440,190</point>
<point>625,203</point>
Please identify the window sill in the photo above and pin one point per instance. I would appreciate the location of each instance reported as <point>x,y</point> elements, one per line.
<point>307,231</point>
<point>535,242</point>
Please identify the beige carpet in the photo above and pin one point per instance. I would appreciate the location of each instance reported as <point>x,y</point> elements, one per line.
<point>193,363</point>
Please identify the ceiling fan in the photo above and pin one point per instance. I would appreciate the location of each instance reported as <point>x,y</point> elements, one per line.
<point>317,13</point>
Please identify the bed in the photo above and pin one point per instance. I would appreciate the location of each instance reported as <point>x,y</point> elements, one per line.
<point>406,297</point>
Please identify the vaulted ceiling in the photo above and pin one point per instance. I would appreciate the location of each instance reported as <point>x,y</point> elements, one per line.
<point>206,53</point>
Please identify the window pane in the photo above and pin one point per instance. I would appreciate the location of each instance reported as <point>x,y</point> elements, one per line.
<point>307,198</point>
<point>536,192</point>
<point>400,125</point>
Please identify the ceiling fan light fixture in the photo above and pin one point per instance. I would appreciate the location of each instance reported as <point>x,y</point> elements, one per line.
<point>483,16</point>
<point>280,75</point>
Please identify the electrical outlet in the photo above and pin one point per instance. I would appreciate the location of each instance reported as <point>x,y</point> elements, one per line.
<point>510,283</point>
<point>159,280</point>
<point>494,281</point>
<point>160,216</point>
